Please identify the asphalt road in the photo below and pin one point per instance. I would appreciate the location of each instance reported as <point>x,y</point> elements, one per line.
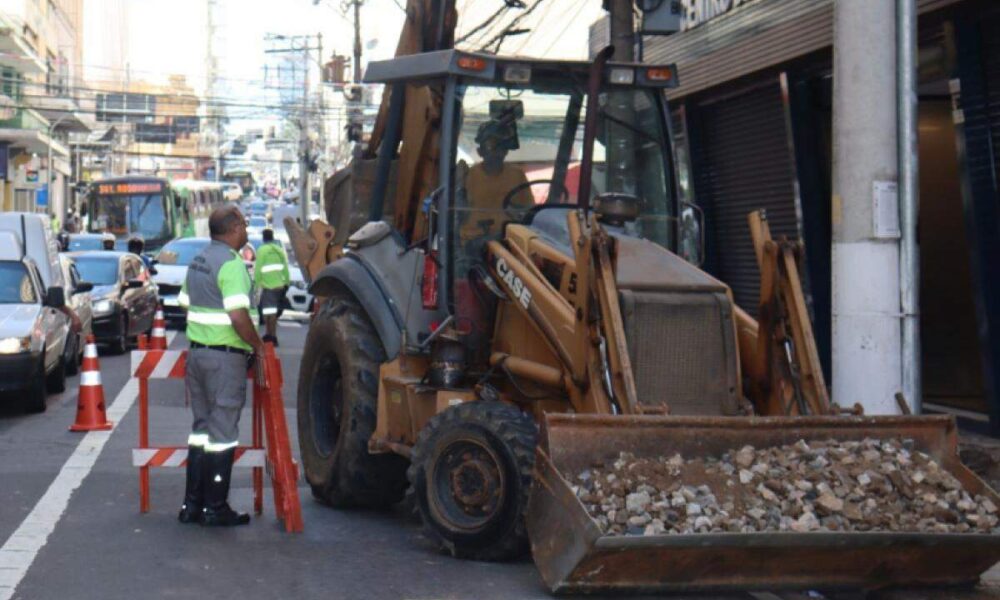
<point>70,525</point>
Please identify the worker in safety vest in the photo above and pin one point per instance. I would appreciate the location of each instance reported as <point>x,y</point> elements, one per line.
<point>270,272</point>
<point>216,293</point>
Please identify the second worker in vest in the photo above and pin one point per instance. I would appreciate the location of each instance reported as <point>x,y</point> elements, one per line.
<point>270,272</point>
<point>224,342</point>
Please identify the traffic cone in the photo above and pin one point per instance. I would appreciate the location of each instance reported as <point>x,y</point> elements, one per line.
<point>90,411</point>
<point>158,339</point>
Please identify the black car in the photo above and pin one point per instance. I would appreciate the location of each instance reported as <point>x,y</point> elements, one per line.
<point>124,296</point>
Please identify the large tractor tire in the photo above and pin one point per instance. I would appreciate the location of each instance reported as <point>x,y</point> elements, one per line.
<point>337,411</point>
<point>470,472</point>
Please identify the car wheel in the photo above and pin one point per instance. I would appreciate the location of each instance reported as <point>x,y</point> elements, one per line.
<point>55,382</point>
<point>72,356</point>
<point>120,344</point>
<point>34,399</point>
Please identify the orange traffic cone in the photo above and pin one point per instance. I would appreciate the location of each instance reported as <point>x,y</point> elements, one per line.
<point>90,411</point>
<point>158,339</point>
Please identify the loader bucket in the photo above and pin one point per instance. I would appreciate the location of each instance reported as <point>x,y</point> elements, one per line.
<point>574,556</point>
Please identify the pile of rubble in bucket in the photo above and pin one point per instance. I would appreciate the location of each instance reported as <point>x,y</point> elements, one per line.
<point>867,485</point>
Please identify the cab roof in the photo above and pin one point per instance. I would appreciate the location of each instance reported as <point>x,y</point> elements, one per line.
<point>503,69</point>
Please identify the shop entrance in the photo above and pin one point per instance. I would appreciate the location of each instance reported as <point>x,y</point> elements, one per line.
<point>952,361</point>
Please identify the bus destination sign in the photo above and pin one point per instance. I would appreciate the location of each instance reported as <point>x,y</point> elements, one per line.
<point>146,187</point>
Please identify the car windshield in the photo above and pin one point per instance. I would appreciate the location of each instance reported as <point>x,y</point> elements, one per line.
<point>258,222</point>
<point>15,284</point>
<point>84,242</point>
<point>181,252</point>
<point>98,270</point>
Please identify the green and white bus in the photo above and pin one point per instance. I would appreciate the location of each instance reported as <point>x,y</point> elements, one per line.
<point>151,207</point>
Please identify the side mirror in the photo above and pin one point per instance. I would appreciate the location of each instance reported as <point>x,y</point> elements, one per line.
<point>83,286</point>
<point>55,297</point>
<point>133,284</point>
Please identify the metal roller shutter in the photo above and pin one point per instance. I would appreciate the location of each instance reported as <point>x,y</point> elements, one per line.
<point>744,163</point>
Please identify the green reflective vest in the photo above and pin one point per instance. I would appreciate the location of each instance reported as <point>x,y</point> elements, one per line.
<point>270,270</point>
<point>217,282</point>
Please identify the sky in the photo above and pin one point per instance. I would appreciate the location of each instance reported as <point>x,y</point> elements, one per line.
<point>170,37</point>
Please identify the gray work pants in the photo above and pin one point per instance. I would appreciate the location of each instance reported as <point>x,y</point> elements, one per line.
<point>216,383</point>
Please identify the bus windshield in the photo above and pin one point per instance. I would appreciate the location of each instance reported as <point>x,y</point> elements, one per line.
<point>139,214</point>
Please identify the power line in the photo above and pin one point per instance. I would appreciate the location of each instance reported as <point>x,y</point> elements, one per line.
<point>509,29</point>
<point>506,6</point>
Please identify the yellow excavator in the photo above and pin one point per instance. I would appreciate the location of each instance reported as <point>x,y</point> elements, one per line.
<point>503,305</point>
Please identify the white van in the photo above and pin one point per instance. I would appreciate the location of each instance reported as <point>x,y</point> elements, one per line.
<point>33,329</point>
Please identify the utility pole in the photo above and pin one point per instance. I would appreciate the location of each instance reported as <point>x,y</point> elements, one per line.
<point>304,141</point>
<point>622,30</point>
<point>357,40</point>
<point>621,142</point>
<point>302,44</point>
<point>865,208</point>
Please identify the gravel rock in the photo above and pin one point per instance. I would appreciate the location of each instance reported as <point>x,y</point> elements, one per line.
<point>867,485</point>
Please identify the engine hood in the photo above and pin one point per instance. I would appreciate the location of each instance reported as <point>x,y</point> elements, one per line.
<point>644,265</point>
<point>17,320</point>
<point>170,274</point>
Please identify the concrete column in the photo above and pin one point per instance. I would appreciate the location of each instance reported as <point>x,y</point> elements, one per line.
<point>866,291</point>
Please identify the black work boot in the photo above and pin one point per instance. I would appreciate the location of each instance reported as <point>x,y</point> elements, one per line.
<point>270,338</point>
<point>217,471</point>
<point>194,498</point>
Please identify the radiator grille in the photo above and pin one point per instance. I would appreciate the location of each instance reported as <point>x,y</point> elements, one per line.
<point>681,351</point>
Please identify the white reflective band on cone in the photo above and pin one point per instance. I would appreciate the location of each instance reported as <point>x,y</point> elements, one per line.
<point>90,351</point>
<point>220,447</point>
<point>271,268</point>
<point>158,315</point>
<point>209,318</point>
<point>269,311</point>
<point>159,332</point>
<point>90,378</point>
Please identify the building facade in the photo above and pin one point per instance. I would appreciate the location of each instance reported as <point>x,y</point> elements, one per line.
<point>752,128</point>
<point>41,102</point>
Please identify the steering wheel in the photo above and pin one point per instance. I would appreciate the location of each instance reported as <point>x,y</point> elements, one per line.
<point>516,213</point>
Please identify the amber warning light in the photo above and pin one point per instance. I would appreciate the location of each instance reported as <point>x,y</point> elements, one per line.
<point>472,63</point>
<point>659,74</point>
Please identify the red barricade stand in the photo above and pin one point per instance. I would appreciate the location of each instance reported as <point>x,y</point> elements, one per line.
<point>268,417</point>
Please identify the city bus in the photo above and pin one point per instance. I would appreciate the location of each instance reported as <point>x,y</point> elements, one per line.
<point>242,177</point>
<point>152,208</point>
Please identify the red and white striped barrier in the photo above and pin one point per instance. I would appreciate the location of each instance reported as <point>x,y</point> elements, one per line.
<point>158,364</point>
<point>177,457</point>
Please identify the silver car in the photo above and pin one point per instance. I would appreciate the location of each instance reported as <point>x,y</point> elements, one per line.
<point>33,329</point>
<point>78,298</point>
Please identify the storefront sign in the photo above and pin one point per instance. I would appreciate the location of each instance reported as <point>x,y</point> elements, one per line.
<point>699,12</point>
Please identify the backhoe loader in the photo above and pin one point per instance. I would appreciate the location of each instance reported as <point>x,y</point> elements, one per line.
<point>502,302</point>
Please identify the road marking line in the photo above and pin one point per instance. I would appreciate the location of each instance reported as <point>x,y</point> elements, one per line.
<point>19,551</point>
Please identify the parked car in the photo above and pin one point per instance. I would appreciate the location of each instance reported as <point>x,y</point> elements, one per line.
<point>85,241</point>
<point>78,298</point>
<point>33,330</point>
<point>124,296</point>
<point>298,296</point>
<point>256,225</point>
<point>260,209</point>
<point>171,269</point>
